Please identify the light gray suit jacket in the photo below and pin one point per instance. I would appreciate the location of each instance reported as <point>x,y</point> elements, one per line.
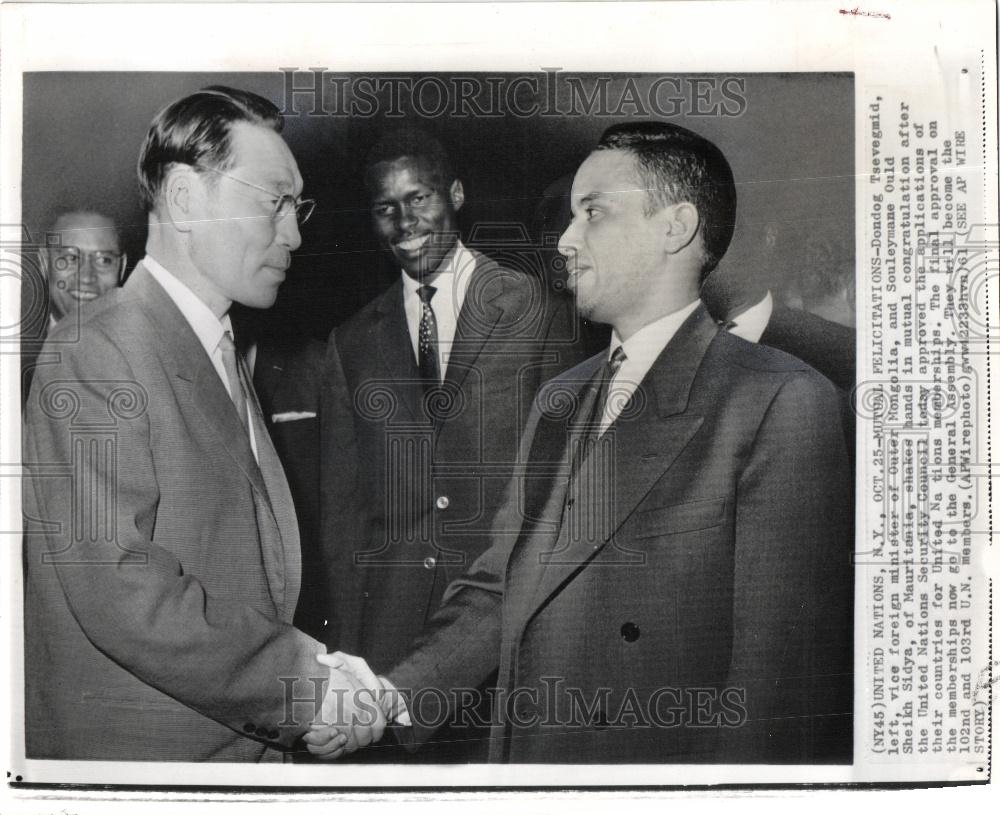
<point>160,576</point>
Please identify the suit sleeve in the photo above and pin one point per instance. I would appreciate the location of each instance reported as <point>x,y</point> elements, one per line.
<point>792,635</point>
<point>131,597</point>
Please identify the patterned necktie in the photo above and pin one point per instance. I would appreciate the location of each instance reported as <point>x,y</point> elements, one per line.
<point>598,392</point>
<point>236,391</point>
<point>608,375</point>
<point>430,366</point>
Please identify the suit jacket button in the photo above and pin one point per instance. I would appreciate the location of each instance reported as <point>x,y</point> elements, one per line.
<point>249,728</point>
<point>630,632</point>
<point>273,734</point>
<point>442,502</point>
<point>429,562</point>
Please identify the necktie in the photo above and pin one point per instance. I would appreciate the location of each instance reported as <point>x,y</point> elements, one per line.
<point>283,584</point>
<point>608,375</point>
<point>236,390</point>
<point>594,411</point>
<point>430,366</point>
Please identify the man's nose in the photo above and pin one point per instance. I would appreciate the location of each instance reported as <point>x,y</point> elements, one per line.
<point>288,232</point>
<point>407,218</point>
<point>87,270</point>
<point>568,243</point>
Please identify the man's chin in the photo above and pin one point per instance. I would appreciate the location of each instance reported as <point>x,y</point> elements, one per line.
<point>420,268</point>
<point>263,299</point>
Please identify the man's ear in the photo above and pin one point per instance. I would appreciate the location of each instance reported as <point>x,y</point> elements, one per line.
<point>681,222</point>
<point>182,191</point>
<point>457,194</point>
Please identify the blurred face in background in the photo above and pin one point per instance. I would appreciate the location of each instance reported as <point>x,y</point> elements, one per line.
<point>86,263</point>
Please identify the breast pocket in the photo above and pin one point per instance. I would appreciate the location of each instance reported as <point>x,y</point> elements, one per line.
<point>690,516</point>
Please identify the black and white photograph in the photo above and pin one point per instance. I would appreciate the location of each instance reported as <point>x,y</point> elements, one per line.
<point>449,421</point>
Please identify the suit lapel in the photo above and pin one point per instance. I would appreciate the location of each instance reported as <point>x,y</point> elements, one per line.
<point>485,303</point>
<point>396,349</point>
<point>545,481</point>
<point>196,377</point>
<point>640,447</point>
<point>194,372</point>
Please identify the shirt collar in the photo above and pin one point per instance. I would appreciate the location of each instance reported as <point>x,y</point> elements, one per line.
<point>646,344</point>
<point>206,326</point>
<point>751,323</point>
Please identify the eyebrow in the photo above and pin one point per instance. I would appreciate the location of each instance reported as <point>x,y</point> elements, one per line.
<point>405,197</point>
<point>278,182</point>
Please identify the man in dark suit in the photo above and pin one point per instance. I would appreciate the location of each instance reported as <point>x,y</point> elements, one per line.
<point>161,557</point>
<point>287,375</point>
<point>740,296</point>
<point>428,388</point>
<point>670,578</point>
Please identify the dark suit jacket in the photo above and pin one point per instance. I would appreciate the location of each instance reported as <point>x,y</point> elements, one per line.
<point>827,346</point>
<point>688,597</point>
<point>160,576</point>
<point>411,480</point>
<point>288,378</point>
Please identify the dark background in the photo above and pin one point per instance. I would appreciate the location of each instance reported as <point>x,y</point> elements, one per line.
<point>791,149</point>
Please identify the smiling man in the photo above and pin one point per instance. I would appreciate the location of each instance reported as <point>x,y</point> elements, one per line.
<point>670,578</point>
<point>428,388</point>
<point>82,261</point>
<point>158,608</point>
<point>85,262</point>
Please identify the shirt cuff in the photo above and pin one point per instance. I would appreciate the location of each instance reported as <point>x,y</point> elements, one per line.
<point>393,704</point>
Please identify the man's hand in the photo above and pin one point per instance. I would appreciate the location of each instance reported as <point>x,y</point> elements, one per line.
<point>351,716</point>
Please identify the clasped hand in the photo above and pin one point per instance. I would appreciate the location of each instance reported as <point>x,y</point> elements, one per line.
<point>354,710</point>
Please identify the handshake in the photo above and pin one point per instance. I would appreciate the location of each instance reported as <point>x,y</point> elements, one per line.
<point>355,710</point>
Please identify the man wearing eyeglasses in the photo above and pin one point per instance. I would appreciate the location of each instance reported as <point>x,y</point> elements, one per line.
<point>82,260</point>
<point>162,563</point>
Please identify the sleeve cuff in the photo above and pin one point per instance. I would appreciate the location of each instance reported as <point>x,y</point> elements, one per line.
<point>394,705</point>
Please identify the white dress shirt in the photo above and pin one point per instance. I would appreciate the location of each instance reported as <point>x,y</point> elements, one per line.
<point>206,326</point>
<point>452,282</point>
<point>641,351</point>
<point>751,323</point>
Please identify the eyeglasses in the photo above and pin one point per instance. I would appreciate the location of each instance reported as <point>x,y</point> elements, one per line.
<point>71,259</point>
<point>283,204</point>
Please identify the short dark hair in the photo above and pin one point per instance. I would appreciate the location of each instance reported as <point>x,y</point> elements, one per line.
<point>677,165</point>
<point>196,131</point>
<point>415,144</point>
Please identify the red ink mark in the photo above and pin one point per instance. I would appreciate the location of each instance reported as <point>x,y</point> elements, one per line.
<point>856,12</point>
